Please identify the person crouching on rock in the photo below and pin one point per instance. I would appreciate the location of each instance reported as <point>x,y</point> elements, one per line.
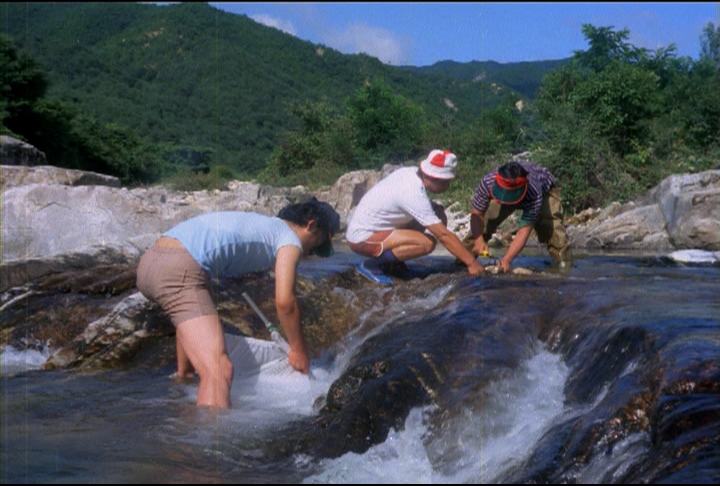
<point>389,223</point>
<point>176,272</point>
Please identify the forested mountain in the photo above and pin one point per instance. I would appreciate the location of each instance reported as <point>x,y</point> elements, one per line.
<point>187,94</point>
<point>523,77</point>
<point>202,80</point>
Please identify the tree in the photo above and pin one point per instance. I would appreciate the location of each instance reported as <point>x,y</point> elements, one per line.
<point>710,44</point>
<point>699,114</point>
<point>386,123</point>
<point>317,152</point>
<point>597,113</point>
<point>22,84</point>
<point>66,136</point>
<point>620,99</point>
<point>498,129</point>
<point>606,46</point>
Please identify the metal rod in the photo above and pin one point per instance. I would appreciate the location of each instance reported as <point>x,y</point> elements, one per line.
<point>274,334</point>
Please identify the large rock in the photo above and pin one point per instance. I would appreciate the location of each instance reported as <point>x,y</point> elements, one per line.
<point>17,152</point>
<point>113,339</point>
<point>56,219</point>
<point>53,225</point>
<point>347,191</point>
<point>13,176</point>
<point>690,205</point>
<point>682,212</point>
<point>642,228</point>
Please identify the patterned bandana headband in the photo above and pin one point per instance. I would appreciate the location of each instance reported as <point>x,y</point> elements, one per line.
<point>510,184</point>
<point>509,191</point>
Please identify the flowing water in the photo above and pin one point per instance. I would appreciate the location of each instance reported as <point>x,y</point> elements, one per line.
<point>606,373</point>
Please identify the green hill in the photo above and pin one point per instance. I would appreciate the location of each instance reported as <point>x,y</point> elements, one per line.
<point>196,78</point>
<point>522,77</point>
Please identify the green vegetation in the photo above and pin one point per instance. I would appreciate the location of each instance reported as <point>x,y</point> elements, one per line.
<point>523,77</point>
<point>66,135</point>
<point>189,75</point>
<point>192,97</point>
<point>619,119</point>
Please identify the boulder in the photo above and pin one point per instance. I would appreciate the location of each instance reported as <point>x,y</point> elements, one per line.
<point>682,212</point>
<point>690,205</point>
<point>14,176</point>
<point>17,152</point>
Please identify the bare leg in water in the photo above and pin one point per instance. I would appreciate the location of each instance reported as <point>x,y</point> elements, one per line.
<point>185,370</point>
<point>202,341</point>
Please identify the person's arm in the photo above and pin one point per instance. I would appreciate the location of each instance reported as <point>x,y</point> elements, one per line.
<point>476,225</point>
<point>516,246</point>
<point>287,307</point>
<point>453,244</point>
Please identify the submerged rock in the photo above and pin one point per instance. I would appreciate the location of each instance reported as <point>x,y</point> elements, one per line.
<point>393,372</point>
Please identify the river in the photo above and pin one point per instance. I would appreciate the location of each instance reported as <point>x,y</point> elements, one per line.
<point>606,373</point>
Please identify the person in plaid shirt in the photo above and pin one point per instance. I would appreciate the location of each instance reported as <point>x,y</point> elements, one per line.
<point>519,186</point>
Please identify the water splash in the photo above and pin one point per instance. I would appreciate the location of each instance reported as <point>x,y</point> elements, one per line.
<point>16,361</point>
<point>479,446</point>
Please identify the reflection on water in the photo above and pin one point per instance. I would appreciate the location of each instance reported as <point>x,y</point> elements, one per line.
<point>603,325</point>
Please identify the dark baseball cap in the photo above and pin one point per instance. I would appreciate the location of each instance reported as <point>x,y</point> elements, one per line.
<point>325,217</point>
<point>329,223</point>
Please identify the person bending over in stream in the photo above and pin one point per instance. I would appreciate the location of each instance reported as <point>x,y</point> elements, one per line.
<point>519,186</point>
<point>176,272</point>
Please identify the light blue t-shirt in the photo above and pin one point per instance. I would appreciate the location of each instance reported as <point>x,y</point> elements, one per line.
<point>233,243</point>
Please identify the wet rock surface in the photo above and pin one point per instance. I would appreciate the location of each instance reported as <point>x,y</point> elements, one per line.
<point>647,382</point>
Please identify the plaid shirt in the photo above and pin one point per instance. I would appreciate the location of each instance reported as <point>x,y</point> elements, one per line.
<point>540,181</point>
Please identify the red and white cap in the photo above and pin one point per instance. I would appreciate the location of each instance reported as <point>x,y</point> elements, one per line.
<point>440,164</point>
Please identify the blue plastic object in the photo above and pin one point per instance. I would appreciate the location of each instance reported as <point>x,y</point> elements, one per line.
<point>371,271</point>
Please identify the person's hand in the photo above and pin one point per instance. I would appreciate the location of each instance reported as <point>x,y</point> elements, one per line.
<point>503,266</point>
<point>475,269</point>
<point>299,360</point>
<point>480,247</point>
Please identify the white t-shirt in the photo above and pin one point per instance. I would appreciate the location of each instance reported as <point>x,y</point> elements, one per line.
<point>392,203</point>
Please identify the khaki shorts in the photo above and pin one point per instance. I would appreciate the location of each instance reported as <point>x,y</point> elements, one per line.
<point>171,277</point>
